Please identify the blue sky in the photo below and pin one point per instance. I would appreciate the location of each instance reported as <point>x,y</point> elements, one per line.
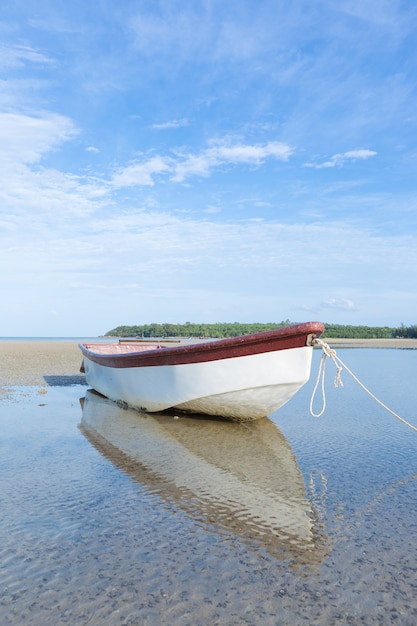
<point>205,161</point>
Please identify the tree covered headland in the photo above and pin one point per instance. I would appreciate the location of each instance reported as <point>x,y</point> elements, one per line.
<point>236,329</point>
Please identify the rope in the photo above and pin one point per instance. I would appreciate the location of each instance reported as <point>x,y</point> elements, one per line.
<point>329,352</point>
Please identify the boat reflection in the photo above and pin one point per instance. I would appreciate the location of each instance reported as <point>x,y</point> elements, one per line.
<point>232,477</point>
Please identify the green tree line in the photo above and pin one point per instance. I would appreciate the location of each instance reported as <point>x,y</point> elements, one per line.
<point>236,329</point>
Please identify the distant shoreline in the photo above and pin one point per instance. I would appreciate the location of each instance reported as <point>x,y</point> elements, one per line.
<point>405,344</point>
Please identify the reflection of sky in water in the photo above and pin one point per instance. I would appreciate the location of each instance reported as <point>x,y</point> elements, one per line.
<point>359,446</point>
<point>83,539</point>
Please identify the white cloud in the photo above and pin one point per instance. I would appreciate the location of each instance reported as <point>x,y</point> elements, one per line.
<point>183,165</point>
<point>27,138</point>
<point>340,304</point>
<point>358,154</point>
<point>253,154</point>
<point>224,153</point>
<point>172,124</point>
<point>340,159</point>
<point>191,165</point>
<point>29,189</point>
<point>276,260</point>
<point>17,56</point>
<point>140,174</point>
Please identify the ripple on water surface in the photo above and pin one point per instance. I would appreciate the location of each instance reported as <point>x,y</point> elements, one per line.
<point>112,517</point>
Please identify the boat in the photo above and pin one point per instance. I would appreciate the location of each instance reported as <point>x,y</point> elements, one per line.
<point>242,378</point>
<point>239,479</point>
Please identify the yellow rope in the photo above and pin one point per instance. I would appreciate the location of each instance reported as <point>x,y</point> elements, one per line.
<point>329,352</point>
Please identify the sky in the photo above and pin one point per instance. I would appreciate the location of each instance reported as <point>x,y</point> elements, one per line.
<point>207,161</point>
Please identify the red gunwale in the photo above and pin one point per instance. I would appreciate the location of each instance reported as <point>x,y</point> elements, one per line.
<point>232,347</point>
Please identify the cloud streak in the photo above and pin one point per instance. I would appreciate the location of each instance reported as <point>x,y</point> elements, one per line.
<point>338,160</point>
<point>184,165</point>
<point>340,304</point>
<point>172,124</point>
<point>27,138</point>
<point>18,56</point>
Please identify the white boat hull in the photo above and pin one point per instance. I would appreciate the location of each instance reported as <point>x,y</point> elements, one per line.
<point>244,387</point>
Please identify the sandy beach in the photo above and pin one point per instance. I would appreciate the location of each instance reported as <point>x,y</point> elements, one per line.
<point>47,363</point>
<point>41,363</point>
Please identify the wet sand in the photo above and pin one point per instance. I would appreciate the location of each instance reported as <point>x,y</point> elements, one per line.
<point>52,363</point>
<point>45,363</point>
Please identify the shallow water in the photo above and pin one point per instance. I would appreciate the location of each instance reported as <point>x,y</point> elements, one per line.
<point>110,517</point>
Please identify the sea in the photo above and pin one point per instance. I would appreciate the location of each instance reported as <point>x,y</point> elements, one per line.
<point>112,517</point>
